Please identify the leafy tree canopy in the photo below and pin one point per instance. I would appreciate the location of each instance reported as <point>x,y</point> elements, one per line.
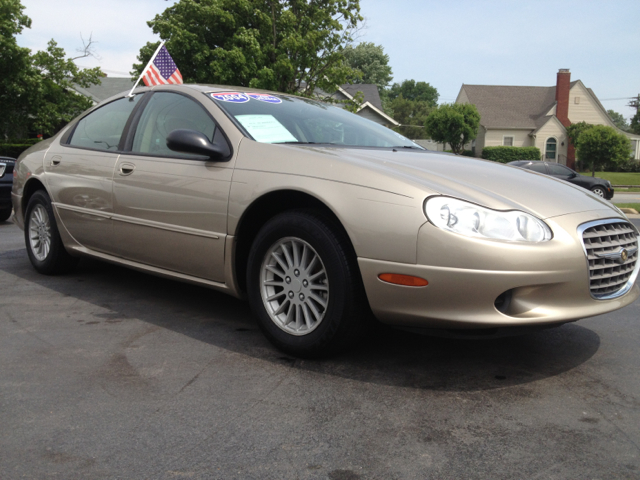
<point>285,45</point>
<point>371,63</point>
<point>411,114</point>
<point>416,91</point>
<point>600,144</point>
<point>455,124</point>
<point>618,120</point>
<point>634,126</point>
<point>35,89</point>
<point>575,130</point>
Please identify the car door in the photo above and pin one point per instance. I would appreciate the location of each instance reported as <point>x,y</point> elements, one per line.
<point>79,173</point>
<point>171,208</point>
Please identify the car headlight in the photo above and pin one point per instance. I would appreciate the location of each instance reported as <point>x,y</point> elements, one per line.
<point>473,220</point>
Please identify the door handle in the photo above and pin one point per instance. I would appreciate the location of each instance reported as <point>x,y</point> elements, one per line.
<point>55,160</point>
<point>127,168</point>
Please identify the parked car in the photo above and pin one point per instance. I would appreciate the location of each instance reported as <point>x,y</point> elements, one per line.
<point>599,186</point>
<point>318,217</point>
<point>6,182</point>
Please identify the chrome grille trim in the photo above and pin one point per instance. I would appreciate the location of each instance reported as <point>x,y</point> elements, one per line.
<point>608,278</point>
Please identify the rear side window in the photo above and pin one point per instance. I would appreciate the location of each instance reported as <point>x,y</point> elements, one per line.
<point>165,113</point>
<point>102,128</point>
<point>537,167</point>
<point>559,170</point>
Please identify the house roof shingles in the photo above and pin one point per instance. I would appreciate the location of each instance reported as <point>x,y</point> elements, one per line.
<point>369,90</point>
<point>109,86</point>
<point>503,106</point>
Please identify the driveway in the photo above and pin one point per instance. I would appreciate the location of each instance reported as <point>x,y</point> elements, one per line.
<point>110,373</point>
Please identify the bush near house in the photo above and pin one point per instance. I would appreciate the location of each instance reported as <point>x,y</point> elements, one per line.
<point>509,154</point>
<point>15,147</point>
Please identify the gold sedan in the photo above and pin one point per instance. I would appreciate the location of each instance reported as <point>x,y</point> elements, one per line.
<point>319,217</point>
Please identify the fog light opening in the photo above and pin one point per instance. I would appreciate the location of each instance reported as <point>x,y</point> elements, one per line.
<point>503,301</point>
<point>404,280</point>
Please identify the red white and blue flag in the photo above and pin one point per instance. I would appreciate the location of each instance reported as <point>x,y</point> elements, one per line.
<point>161,70</point>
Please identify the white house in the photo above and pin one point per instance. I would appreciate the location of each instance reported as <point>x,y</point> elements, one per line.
<point>537,116</point>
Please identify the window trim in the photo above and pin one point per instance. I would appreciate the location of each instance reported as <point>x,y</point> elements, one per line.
<point>555,158</point>
<point>504,137</point>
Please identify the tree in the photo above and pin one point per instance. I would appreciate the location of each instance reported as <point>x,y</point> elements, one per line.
<point>290,46</point>
<point>599,144</point>
<point>575,130</point>
<point>371,63</point>
<point>634,126</point>
<point>15,78</point>
<point>618,120</point>
<point>411,114</point>
<point>455,124</point>
<point>416,91</point>
<point>35,89</point>
<point>54,103</point>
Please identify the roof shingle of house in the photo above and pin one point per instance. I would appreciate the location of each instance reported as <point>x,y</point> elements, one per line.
<point>369,91</point>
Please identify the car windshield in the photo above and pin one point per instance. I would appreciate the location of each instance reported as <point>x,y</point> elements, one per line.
<point>284,119</point>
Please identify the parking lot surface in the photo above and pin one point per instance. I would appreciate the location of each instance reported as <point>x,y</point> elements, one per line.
<point>111,373</point>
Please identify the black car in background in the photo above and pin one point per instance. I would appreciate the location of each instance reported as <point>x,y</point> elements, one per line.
<point>600,187</point>
<point>6,181</point>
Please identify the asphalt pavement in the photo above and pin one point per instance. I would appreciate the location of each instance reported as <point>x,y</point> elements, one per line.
<point>626,197</point>
<point>110,373</point>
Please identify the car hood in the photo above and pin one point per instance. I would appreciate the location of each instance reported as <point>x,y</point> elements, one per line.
<point>487,183</point>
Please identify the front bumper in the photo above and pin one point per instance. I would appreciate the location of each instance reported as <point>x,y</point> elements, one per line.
<point>548,283</point>
<point>5,192</point>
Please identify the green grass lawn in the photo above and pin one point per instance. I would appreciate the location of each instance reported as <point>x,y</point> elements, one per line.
<point>618,178</point>
<point>635,206</point>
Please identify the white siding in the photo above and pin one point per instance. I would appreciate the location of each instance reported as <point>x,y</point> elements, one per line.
<point>462,96</point>
<point>554,129</point>
<point>373,116</point>
<point>587,110</point>
<point>494,138</point>
<point>480,140</point>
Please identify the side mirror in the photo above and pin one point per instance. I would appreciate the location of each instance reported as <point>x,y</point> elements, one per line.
<point>192,141</point>
<point>573,175</point>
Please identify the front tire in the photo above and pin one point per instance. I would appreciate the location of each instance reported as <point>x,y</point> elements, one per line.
<point>44,245</point>
<point>304,285</point>
<point>599,191</point>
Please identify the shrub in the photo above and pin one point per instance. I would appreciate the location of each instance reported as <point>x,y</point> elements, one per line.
<point>465,153</point>
<point>509,154</point>
<point>14,148</point>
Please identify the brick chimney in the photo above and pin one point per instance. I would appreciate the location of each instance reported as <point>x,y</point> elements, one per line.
<point>563,84</point>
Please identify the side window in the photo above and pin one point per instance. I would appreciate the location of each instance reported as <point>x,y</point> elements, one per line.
<point>102,128</point>
<point>537,167</point>
<point>165,113</point>
<point>560,170</point>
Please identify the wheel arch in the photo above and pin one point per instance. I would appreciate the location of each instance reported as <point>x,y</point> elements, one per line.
<point>266,207</point>
<point>31,187</point>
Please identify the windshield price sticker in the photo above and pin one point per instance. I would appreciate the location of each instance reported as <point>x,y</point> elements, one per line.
<point>233,97</point>
<point>265,97</point>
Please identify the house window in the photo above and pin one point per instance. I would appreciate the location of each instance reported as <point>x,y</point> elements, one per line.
<point>550,150</point>
<point>507,141</point>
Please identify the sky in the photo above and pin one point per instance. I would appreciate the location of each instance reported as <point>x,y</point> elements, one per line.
<point>445,43</point>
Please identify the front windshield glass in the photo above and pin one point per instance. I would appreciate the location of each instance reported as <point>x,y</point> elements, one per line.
<point>285,119</point>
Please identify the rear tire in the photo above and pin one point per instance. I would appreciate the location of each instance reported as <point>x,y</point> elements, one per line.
<point>44,245</point>
<point>304,285</point>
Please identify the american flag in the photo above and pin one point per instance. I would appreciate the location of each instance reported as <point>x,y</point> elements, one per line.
<point>162,70</point>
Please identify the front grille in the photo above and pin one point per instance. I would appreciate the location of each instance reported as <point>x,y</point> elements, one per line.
<point>609,277</point>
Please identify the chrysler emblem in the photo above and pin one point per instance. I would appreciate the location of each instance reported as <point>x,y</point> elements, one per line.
<point>620,256</point>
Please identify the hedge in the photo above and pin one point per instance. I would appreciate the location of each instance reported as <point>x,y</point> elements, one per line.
<point>509,154</point>
<point>15,148</point>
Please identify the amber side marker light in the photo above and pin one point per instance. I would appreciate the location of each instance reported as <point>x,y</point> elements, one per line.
<point>406,280</point>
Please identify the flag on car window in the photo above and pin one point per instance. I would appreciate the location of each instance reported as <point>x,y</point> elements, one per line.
<point>161,70</point>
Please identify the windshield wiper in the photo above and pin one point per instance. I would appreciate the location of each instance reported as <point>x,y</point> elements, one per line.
<point>409,146</point>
